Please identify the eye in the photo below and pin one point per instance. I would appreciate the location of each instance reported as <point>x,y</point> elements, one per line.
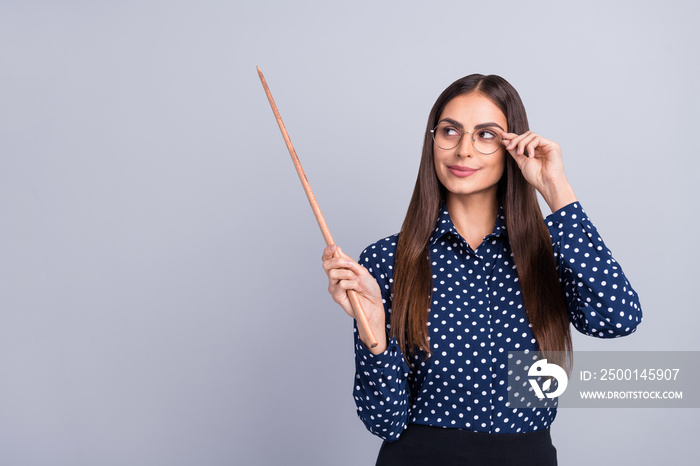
<point>487,134</point>
<point>450,132</point>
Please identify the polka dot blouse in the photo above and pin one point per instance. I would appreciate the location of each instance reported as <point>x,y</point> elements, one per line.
<point>476,317</point>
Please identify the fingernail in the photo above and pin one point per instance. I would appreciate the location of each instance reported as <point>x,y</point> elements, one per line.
<point>332,248</point>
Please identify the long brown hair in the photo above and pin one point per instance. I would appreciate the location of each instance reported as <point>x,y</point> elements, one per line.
<point>529,238</point>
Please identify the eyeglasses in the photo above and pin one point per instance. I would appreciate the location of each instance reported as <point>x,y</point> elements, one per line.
<point>448,136</point>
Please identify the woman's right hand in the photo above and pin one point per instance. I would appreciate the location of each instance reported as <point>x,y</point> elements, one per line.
<point>345,274</point>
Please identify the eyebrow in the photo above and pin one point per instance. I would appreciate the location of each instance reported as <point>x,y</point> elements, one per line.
<point>477,127</point>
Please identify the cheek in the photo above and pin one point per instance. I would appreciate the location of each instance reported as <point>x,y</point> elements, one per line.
<point>500,163</point>
<point>438,163</point>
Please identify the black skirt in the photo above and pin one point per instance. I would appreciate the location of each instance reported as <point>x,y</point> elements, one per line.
<point>421,445</point>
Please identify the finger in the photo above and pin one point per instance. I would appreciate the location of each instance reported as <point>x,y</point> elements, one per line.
<point>342,274</point>
<point>335,263</point>
<point>339,291</point>
<point>351,263</point>
<point>524,142</point>
<point>506,137</point>
<point>328,252</point>
<point>343,263</point>
<point>346,285</point>
<point>516,139</point>
<point>532,146</point>
<point>356,268</point>
<point>520,160</point>
<point>340,253</point>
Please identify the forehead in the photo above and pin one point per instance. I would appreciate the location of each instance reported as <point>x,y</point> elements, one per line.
<point>473,109</point>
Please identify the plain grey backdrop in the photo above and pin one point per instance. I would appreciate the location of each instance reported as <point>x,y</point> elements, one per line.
<point>161,295</point>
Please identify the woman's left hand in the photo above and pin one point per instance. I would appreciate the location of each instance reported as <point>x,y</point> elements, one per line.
<point>540,162</point>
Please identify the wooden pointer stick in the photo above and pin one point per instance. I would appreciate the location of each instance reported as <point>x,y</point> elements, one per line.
<point>352,295</point>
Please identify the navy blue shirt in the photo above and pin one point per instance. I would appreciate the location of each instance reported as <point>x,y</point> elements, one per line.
<point>476,317</point>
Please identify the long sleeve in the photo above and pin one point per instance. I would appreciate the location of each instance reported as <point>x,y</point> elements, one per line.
<point>600,299</point>
<point>381,390</point>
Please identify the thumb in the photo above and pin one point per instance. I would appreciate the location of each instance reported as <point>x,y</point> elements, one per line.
<point>339,253</point>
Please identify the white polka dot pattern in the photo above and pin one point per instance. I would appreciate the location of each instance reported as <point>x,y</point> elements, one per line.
<point>476,317</point>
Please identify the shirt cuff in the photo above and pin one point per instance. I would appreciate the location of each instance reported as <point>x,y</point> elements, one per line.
<point>382,360</point>
<point>568,216</point>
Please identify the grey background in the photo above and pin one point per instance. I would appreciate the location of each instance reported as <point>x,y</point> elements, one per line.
<point>162,300</point>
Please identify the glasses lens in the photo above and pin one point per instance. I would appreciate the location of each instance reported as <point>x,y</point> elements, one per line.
<point>446,136</point>
<point>487,141</point>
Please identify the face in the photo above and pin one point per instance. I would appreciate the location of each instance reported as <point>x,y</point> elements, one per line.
<point>463,170</point>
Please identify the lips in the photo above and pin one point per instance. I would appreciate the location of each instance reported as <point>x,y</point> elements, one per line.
<point>460,171</point>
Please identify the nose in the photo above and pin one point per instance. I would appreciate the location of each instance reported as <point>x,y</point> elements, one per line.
<point>465,148</point>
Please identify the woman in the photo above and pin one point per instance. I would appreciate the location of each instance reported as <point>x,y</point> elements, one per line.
<point>475,252</point>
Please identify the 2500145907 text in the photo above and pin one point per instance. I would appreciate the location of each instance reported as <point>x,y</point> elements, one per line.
<point>631,374</point>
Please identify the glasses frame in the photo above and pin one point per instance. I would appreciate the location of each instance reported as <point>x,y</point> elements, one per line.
<point>462,132</point>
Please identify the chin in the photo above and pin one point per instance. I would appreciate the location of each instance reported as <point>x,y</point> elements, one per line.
<point>459,189</point>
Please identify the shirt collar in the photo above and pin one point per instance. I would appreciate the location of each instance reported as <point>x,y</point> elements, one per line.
<point>445,226</point>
